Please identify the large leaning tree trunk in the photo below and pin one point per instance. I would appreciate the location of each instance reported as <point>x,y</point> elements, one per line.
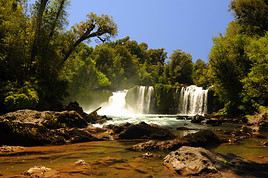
<point>101,27</point>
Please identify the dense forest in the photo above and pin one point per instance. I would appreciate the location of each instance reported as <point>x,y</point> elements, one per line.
<point>44,64</point>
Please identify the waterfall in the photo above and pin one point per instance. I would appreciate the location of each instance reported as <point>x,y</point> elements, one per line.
<point>149,98</point>
<point>116,105</point>
<point>144,99</point>
<point>193,100</point>
<point>140,100</point>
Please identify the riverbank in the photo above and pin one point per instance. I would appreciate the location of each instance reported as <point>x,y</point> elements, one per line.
<point>113,154</point>
<point>108,158</point>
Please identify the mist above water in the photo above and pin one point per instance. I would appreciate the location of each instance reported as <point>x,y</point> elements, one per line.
<point>116,106</point>
<point>192,101</point>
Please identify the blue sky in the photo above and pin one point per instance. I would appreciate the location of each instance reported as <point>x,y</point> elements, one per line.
<point>189,25</point>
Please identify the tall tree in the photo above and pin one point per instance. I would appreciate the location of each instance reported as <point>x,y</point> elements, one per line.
<point>256,82</point>
<point>200,73</point>
<point>101,27</point>
<point>251,15</point>
<point>180,68</point>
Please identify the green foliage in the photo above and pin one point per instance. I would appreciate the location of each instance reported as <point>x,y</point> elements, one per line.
<point>200,74</point>
<point>36,45</point>
<point>167,98</point>
<point>256,82</point>
<point>238,60</point>
<point>251,15</point>
<point>229,65</point>
<point>18,96</point>
<point>180,68</point>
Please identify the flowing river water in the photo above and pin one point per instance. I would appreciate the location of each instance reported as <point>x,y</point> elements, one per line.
<point>114,159</point>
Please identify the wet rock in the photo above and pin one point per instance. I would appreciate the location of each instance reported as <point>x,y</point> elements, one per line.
<point>74,106</point>
<point>185,128</point>
<point>212,122</point>
<point>27,134</point>
<point>191,161</point>
<point>49,119</point>
<point>149,155</point>
<point>30,128</point>
<point>265,143</point>
<point>10,149</point>
<point>233,141</point>
<point>197,119</point>
<point>144,131</point>
<point>81,163</point>
<point>203,138</point>
<point>118,129</point>
<point>41,172</point>
<point>69,119</point>
<point>76,135</point>
<point>92,118</point>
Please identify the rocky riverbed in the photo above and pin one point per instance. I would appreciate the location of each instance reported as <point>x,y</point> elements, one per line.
<point>141,149</point>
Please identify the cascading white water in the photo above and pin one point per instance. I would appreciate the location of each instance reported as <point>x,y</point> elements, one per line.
<point>149,98</point>
<point>193,100</point>
<point>116,106</point>
<point>140,100</point>
<point>144,99</point>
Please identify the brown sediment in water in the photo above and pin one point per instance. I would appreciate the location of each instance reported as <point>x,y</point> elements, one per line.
<point>111,159</point>
<point>108,158</point>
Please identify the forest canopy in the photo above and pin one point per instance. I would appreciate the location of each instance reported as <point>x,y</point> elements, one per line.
<point>44,63</point>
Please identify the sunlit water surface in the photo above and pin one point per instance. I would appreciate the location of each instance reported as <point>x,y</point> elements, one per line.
<point>62,158</point>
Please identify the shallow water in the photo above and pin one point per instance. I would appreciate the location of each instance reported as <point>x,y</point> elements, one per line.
<point>62,158</point>
<point>113,159</point>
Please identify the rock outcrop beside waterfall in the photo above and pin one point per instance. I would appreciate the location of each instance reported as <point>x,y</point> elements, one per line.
<point>29,127</point>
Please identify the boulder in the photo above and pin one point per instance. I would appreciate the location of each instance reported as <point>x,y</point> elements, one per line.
<point>27,134</point>
<point>188,161</point>
<point>192,161</point>
<point>197,119</point>
<point>49,119</point>
<point>31,128</point>
<point>10,149</point>
<point>143,131</point>
<point>212,122</point>
<point>205,138</point>
<point>91,118</point>
<point>81,162</point>
<point>41,171</point>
